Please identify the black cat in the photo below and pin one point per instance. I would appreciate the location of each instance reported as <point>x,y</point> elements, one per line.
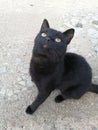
<point>52,68</point>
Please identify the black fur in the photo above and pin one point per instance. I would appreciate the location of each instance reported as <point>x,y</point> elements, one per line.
<point>52,68</point>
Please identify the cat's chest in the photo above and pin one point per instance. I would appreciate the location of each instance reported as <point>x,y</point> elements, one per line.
<point>45,82</point>
<point>50,82</point>
<point>46,76</point>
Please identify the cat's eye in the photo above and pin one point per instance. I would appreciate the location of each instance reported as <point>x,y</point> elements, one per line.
<point>57,40</point>
<point>43,34</point>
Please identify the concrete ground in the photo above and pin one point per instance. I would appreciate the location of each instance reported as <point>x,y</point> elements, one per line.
<point>20,21</point>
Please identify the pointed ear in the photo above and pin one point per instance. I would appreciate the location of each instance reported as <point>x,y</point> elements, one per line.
<point>69,35</point>
<point>45,24</point>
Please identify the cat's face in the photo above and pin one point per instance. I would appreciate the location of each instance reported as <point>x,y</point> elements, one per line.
<point>51,44</point>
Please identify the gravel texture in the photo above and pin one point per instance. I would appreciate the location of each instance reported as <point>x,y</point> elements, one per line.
<point>20,21</point>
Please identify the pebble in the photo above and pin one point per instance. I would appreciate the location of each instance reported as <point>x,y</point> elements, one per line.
<point>15,97</point>
<point>89,55</point>
<point>18,61</point>
<point>3,69</point>
<point>19,79</point>
<point>24,77</point>
<point>3,91</point>
<point>31,5</point>
<point>13,128</point>
<point>74,22</point>
<point>79,25</point>
<point>29,83</point>
<point>95,17</point>
<point>53,128</point>
<point>24,89</point>
<point>95,77</point>
<point>71,128</point>
<point>9,92</point>
<point>96,49</point>
<point>16,91</point>
<point>93,33</point>
<point>94,128</point>
<point>22,83</point>
<point>24,71</point>
<point>94,41</point>
<point>95,22</point>
<point>96,26</point>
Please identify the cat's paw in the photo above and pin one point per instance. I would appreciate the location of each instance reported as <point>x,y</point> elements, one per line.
<point>59,99</point>
<point>29,110</point>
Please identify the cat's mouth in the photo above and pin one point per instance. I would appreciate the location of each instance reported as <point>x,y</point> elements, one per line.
<point>40,56</point>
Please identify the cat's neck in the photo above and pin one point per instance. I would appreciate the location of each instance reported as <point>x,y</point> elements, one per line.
<point>46,67</point>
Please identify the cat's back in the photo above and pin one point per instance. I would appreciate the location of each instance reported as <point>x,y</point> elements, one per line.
<point>76,62</point>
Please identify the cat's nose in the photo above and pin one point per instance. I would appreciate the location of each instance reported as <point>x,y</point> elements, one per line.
<point>48,38</point>
<point>45,46</point>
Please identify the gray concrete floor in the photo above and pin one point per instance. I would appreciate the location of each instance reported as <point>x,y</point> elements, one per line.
<point>20,21</point>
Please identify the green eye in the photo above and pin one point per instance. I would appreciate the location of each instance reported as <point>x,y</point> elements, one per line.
<point>57,40</point>
<point>43,34</point>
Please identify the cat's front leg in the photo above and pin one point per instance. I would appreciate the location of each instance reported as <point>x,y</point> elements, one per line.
<point>38,101</point>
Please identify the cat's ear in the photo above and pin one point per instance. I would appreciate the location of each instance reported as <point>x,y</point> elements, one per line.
<point>69,35</point>
<point>45,24</point>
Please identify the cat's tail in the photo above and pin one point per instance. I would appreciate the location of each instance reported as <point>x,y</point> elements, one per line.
<point>94,88</point>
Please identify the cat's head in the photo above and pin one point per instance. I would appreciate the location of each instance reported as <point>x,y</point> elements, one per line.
<point>51,44</point>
